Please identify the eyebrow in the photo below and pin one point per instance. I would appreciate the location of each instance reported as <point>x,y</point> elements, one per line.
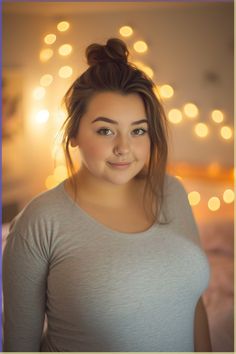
<point>108,120</point>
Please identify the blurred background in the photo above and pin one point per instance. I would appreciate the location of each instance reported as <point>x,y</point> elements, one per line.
<point>187,48</point>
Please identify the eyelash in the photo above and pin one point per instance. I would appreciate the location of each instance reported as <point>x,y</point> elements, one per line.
<point>106,129</point>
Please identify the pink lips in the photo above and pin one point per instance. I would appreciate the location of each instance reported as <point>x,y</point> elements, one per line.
<point>120,165</point>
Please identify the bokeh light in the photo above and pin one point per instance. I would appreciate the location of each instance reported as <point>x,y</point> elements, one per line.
<point>201,130</point>
<point>214,203</point>
<point>65,72</point>
<point>228,196</point>
<point>191,110</point>
<point>46,80</point>
<point>217,116</point>
<point>175,116</point>
<point>45,54</point>
<point>65,49</point>
<point>126,31</point>
<point>194,198</point>
<point>50,38</point>
<point>63,26</point>
<point>140,47</point>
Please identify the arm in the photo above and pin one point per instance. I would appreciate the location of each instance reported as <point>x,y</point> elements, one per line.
<point>24,292</point>
<point>201,329</point>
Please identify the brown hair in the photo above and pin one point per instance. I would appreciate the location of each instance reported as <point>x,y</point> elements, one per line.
<point>119,75</point>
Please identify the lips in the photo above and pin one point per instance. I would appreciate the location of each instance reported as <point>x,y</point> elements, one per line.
<point>119,164</point>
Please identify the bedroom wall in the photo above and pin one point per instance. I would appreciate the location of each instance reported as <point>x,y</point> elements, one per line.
<point>190,48</point>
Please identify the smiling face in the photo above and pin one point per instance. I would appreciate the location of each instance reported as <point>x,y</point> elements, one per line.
<point>113,137</point>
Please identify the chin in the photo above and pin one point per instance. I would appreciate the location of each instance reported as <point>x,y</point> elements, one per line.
<point>121,179</point>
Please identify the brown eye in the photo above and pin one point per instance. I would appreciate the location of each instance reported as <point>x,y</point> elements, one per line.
<point>104,131</point>
<point>139,131</point>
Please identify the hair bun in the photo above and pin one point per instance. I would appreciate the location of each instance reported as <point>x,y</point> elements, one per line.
<point>114,50</point>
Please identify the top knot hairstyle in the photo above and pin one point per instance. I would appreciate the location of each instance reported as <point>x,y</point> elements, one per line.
<point>120,76</point>
<point>115,50</point>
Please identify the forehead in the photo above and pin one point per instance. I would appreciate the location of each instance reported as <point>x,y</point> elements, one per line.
<point>116,106</point>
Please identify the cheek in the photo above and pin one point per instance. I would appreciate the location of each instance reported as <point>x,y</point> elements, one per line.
<point>143,149</point>
<point>94,149</point>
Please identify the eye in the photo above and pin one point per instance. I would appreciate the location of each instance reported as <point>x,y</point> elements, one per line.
<point>139,131</point>
<point>104,131</point>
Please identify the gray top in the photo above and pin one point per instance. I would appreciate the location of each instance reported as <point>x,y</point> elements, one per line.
<point>102,290</point>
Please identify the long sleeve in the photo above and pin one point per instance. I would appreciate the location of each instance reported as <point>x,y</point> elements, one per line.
<point>24,293</point>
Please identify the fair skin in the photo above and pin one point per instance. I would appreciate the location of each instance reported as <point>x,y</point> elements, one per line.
<point>115,130</point>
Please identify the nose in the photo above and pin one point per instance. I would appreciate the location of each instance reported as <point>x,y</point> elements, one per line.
<point>122,146</point>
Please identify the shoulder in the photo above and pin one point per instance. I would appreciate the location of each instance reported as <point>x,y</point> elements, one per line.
<point>173,188</point>
<point>38,213</point>
<point>177,209</point>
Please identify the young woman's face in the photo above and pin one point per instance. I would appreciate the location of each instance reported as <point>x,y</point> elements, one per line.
<point>113,137</point>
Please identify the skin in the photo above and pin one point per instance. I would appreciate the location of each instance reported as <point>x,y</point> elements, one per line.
<point>99,141</point>
<point>106,187</point>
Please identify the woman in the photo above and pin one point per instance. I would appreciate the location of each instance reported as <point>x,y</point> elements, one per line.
<point>112,254</point>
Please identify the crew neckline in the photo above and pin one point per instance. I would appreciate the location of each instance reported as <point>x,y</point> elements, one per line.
<point>100,225</point>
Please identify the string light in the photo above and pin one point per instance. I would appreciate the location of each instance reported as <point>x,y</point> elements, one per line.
<point>45,54</point>
<point>60,173</point>
<point>42,116</point>
<point>226,132</point>
<point>65,49</point>
<point>190,110</point>
<point>51,182</point>
<point>63,26</point>
<point>201,130</point>
<point>217,116</point>
<point>214,203</point>
<point>126,31</point>
<point>166,91</point>
<point>175,116</point>
<point>50,38</point>
<point>194,198</point>
<point>140,47</point>
<point>65,72</point>
<point>39,93</point>
<point>46,80</point>
<point>228,196</point>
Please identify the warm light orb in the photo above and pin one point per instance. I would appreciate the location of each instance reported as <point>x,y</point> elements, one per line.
<point>201,130</point>
<point>45,54</point>
<point>217,116</point>
<point>46,80</point>
<point>65,72</point>
<point>63,26</point>
<point>50,38</point>
<point>194,198</point>
<point>51,182</point>
<point>190,110</point>
<point>166,91</point>
<point>175,116</point>
<point>228,196</point>
<point>39,93</point>
<point>214,203</point>
<point>140,47</point>
<point>126,31</point>
<point>226,132</point>
<point>60,173</point>
<point>65,49</point>
<point>42,116</point>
